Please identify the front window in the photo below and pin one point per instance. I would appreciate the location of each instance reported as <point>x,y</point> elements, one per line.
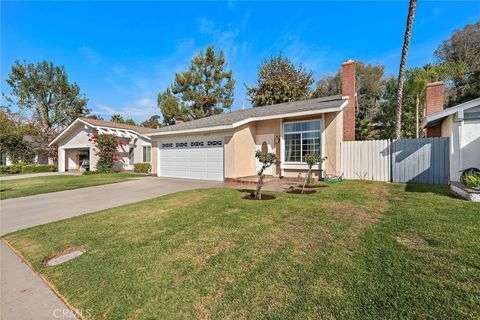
<point>301,138</point>
<point>147,151</point>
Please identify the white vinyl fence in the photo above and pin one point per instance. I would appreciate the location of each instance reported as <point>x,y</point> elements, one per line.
<point>366,160</point>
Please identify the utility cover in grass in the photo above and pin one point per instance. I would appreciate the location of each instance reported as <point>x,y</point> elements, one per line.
<point>67,255</point>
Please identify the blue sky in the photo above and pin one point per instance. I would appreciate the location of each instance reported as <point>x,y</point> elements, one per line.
<point>123,53</point>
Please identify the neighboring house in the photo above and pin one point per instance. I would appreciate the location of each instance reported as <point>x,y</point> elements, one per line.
<point>460,123</point>
<point>222,147</point>
<point>77,153</point>
<point>39,158</point>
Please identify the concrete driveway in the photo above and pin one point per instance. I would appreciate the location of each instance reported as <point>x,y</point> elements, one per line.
<point>25,212</point>
<point>23,294</point>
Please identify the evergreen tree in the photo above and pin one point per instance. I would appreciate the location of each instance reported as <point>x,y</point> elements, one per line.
<point>206,88</point>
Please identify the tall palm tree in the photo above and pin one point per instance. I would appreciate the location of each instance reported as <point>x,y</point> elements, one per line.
<point>403,62</point>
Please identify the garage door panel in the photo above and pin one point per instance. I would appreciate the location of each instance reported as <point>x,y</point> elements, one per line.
<point>192,158</point>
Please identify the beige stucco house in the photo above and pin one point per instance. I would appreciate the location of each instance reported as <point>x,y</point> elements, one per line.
<point>222,147</point>
<point>77,153</point>
<point>461,124</point>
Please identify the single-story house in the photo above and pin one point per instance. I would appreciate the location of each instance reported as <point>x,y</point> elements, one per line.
<point>77,153</point>
<point>460,123</point>
<point>222,147</point>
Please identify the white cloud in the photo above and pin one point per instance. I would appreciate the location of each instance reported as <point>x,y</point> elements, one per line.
<point>145,102</point>
<point>117,87</point>
<point>119,69</point>
<point>91,55</point>
<point>139,109</point>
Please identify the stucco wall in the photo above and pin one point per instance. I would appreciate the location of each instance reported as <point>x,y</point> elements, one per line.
<point>332,134</point>
<point>270,127</point>
<point>237,148</point>
<point>154,162</point>
<point>464,144</point>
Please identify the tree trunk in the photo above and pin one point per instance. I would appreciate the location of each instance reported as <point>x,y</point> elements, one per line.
<point>258,192</point>
<point>403,62</point>
<point>417,102</point>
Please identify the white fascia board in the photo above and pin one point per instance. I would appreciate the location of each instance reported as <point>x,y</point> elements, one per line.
<point>67,129</point>
<point>197,130</point>
<point>445,113</point>
<point>245,121</point>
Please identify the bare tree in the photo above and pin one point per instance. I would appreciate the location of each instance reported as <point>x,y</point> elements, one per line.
<point>403,62</point>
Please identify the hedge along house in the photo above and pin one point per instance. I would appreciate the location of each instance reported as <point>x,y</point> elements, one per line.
<point>222,147</point>
<point>460,123</point>
<point>77,153</point>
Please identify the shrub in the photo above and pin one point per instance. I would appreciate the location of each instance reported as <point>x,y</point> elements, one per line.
<point>107,145</point>
<point>142,167</point>
<point>35,168</point>
<point>473,180</point>
<point>26,168</point>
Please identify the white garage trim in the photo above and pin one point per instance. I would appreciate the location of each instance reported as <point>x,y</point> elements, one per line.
<point>191,157</point>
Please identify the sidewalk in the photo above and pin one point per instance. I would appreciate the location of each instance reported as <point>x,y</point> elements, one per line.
<point>34,175</point>
<point>23,295</point>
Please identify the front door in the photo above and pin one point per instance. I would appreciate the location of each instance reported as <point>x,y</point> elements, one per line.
<point>266,143</point>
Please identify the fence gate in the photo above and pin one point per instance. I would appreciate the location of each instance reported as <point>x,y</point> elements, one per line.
<point>420,160</point>
<point>423,160</point>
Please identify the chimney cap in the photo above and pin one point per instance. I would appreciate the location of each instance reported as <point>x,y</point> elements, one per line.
<point>434,84</point>
<point>348,61</point>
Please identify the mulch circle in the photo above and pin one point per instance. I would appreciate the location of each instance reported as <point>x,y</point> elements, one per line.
<point>309,186</point>
<point>299,191</point>
<point>264,197</point>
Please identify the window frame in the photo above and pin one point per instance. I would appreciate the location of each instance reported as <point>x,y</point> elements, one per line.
<point>143,154</point>
<point>299,164</point>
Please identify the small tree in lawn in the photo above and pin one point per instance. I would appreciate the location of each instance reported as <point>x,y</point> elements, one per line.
<point>107,145</point>
<point>311,159</point>
<point>266,159</point>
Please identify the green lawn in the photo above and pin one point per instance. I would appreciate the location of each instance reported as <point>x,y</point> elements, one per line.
<point>30,186</point>
<point>352,250</point>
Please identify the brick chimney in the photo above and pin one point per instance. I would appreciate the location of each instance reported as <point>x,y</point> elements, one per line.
<point>348,89</point>
<point>433,104</point>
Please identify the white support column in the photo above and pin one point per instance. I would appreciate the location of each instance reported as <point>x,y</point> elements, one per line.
<point>61,159</point>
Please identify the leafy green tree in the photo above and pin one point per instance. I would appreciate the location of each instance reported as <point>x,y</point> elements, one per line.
<point>330,85</point>
<point>94,117</point>
<point>117,118</point>
<point>461,55</point>
<point>280,80</point>
<point>45,91</point>
<point>207,87</point>
<point>171,108</point>
<point>130,121</point>
<point>153,122</point>
<point>386,115</point>
<point>311,159</point>
<point>12,138</point>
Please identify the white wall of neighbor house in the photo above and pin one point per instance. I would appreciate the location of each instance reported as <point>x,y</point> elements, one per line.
<point>464,134</point>
<point>78,138</point>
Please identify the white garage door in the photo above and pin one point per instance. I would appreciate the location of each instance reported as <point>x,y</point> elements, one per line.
<point>192,158</point>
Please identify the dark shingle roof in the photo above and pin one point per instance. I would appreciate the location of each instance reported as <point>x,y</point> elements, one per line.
<point>230,118</point>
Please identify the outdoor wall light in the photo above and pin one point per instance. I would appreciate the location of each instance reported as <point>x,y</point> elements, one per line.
<point>277,139</point>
